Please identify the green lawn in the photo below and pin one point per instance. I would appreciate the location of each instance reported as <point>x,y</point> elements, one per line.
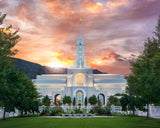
<point>116,122</point>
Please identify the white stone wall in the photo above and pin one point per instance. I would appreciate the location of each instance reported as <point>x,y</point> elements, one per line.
<point>112,91</point>
<point>48,91</point>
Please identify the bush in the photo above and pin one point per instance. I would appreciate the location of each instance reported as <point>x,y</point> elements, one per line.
<point>96,114</point>
<point>46,114</point>
<point>59,113</point>
<point>52,111</point>
<point>52,114</point>
<point>98,110</point>
<point>72,112</point>
<point>108,111</point>
<point>42,113</point>
<point>91,111</point>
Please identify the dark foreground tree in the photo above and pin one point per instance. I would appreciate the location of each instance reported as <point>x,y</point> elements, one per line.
<point>130,102</point>
<point>34,106</point>
<point>26,95</point>
<point>12,81</point>
<point>124,102</point>
<point>7,70</point>
<point>145,78</point>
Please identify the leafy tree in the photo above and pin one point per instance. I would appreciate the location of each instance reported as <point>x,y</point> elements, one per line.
<point>46,101</point>
<point>74,101</point>
<point>34,106</point>
<point>93,100</point>
<point>145,78</point>
<point>113,100</point>
<point>67,100</point>
<point>124,102</point>
<point>86,101</point>
<point>14,85</point>
<point>7,70</point>
<point>130,102</point>
<point>26,94</point>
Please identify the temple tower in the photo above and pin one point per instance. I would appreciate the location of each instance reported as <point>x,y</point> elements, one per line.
<point>80,61</point>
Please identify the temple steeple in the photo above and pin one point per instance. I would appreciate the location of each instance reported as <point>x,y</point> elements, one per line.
<point>80,61</point>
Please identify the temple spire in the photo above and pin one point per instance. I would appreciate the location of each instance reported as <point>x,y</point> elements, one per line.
<point>80,28</point>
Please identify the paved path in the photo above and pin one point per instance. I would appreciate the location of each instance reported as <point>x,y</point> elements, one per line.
<point>77,117</point>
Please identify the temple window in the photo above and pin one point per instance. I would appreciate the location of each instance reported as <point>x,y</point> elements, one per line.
<point>80,80</point>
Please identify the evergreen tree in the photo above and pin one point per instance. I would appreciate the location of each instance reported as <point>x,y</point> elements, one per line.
<point>74,101</point>
<point>86,101</point>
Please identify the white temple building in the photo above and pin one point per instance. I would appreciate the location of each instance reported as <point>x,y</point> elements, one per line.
<point>80,82</point>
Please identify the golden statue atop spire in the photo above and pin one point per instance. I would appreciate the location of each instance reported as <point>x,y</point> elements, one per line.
<point>80,20</point>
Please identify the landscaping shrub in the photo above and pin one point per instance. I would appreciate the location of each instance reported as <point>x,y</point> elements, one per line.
<point>99,110</point>
<point>52,111</point>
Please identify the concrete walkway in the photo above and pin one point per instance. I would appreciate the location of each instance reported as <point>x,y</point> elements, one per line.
<point>77,117</point>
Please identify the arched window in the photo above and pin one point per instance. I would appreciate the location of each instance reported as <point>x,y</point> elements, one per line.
<point>101,99</point>
<point>57,100</point>
<point>79,98</point>
<point>80,80</point>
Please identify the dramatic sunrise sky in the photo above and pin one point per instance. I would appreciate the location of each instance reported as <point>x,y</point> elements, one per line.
<point>114,30</point>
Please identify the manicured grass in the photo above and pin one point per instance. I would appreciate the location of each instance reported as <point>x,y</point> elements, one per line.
<point>115,122</point>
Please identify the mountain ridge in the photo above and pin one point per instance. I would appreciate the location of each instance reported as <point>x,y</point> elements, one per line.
<point>32,69</point>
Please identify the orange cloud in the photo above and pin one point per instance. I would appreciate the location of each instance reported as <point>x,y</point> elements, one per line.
<point>114,4</point>
<point>58,54</point>
<point>93,7</point>
<point>105,58</point>
<point>58,8</point>
<point>109,55</point>
<point>22,12</point>
<point>92,64</point>
<point>66,60</point>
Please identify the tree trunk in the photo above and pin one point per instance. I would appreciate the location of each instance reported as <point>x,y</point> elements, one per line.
<point>4,114</point>
<point>133,112</point>
<point>21,112</point>
<point>147,111</point>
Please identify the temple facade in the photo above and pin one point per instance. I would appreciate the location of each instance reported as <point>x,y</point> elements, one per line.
<point>80,82</point>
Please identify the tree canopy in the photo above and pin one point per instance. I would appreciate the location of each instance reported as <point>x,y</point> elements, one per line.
<point>16,90</point>
<point>46,101</point>
<point>145,78</point>
<point>93,100</point>
<point>67,100</point>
